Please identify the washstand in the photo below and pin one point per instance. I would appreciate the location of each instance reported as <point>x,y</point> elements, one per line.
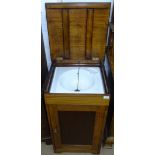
<point>76,92</point>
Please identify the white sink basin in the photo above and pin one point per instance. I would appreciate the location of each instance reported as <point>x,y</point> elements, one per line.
<point>69,80</point>
<point>66,80</point>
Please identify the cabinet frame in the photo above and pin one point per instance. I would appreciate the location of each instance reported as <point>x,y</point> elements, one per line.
<point>101,112</point>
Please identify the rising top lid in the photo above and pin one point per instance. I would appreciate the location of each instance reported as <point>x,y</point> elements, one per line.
<point>77,31</point>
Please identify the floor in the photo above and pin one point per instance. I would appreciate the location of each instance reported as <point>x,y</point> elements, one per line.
<point>48,150</point>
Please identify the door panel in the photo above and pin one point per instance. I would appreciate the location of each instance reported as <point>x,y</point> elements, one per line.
<point>76,128</point>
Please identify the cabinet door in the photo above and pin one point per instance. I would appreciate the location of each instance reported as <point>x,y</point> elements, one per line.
<point>77,128</point>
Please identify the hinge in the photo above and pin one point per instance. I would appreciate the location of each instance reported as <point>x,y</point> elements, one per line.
<point>95,58</point>
<point>59,58</point>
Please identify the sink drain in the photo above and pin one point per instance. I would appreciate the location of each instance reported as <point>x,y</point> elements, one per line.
<point>76,90</point>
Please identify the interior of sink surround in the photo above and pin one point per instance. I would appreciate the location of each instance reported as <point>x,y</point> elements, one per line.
<point>77,80</point>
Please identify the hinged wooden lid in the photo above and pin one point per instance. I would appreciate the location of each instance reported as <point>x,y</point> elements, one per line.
<point>77,31</point>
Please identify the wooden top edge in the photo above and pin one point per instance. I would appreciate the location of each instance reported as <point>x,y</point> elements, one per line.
<point>98,5</point>
<point>76,64</point>
<point>72,95</point>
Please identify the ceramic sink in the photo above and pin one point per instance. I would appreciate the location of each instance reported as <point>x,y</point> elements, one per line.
<point>77,80</point>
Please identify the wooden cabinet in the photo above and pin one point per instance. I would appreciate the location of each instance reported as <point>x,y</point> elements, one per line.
<point>77,36</point>
<point>77,126</point>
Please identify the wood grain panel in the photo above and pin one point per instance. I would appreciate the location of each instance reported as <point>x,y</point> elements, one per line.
<point>89,33</point>
<point>77,62</point>
<point>77,18</point>
<point>85,108</point>
<point>66,33</point>
<point>98,128</point>
<point>53,118</point>
<point>99,5</point>
<point>76,99</point>
<point>55,30</point>
<point>76,148</point>
<point>100,25</point>
<point>77,34</point>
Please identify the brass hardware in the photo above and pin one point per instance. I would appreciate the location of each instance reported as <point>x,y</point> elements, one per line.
<point>59,58</point>
<point>95,58</point>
